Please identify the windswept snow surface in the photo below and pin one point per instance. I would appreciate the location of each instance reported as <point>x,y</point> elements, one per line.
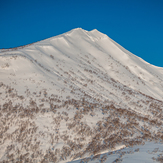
<point>75,96</point>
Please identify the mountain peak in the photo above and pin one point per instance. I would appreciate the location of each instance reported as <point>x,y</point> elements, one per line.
<point>76,30</point>
<point>94,30</point>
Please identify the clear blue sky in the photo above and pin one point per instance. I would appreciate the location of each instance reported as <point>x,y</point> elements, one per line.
<point>137,25</point>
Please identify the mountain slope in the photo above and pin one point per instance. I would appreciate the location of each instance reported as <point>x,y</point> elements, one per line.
<point>75,95</point>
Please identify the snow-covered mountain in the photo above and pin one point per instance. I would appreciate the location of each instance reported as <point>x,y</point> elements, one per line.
<point>77,96</point>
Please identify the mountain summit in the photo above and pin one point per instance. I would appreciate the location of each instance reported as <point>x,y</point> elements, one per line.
<point>76,96</point>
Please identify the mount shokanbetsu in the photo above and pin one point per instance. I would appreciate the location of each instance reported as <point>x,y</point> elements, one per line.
<point>79,97</point>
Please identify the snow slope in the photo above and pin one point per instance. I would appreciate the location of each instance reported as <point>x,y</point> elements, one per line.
<point>76,95</point>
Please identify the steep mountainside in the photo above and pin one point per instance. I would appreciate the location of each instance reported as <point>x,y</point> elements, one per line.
<point>76,96</point>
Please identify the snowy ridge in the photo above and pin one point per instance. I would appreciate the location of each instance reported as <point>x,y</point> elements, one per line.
<point>76,95</point>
